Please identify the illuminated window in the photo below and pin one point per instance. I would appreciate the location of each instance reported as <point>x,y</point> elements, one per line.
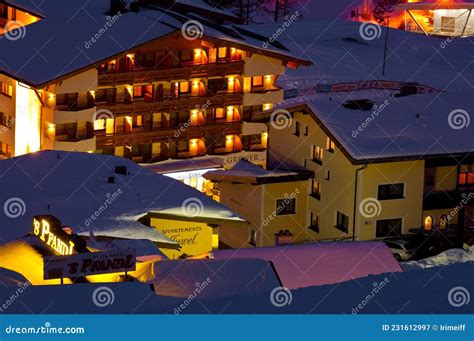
<point>428,223</point>
<point>257,81</point>
<point>6,89</point>
<point>222,53</point>
<point>466,179</point>
<point>316,189</point>
<point>314,222</point>
<point>317,154</point>
<point>143,92</point>
<point>184,87</point>
<point>99,125</point>
<point>330,145</point>
<point>220,113</point>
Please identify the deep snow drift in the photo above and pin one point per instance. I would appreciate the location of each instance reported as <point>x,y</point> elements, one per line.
<point>74,186</point>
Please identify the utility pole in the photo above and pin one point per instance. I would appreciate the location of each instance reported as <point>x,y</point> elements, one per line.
<point>385,46</point>
<point>277,6</point>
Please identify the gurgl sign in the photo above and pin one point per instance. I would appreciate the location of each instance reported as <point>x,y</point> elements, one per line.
<point>92,263</point>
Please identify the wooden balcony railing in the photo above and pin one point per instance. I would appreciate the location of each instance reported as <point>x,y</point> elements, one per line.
<point>170,73</point>
<point>173,103</point>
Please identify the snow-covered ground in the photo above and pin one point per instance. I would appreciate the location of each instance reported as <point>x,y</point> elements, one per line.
<point>74,187</point>
<point>341,54</point>
<point>420,291</point>
<point>447,257</point>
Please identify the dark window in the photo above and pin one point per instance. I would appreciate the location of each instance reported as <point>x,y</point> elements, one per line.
<point>6,120</point>
<point>105,95</point>
<point>285,206</point>
<point>253,237</point>
<point>429,180</point>
<point>214,86</point>
<point>389,227</point>
<point>342,222</point>
<point>186,55</point>
<point>306,131</point>
<point>297,128</point>
<point>146,60</point>
<point>66,101</point>
<point>392,191</point>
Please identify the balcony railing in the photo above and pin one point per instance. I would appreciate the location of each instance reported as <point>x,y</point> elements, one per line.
<point>172,103</point>
<point>170,73</point>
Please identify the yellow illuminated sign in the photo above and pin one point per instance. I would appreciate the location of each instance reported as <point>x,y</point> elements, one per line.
<point>42,229</point>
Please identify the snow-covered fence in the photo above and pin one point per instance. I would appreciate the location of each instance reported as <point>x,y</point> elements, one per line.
<point>376,84</point>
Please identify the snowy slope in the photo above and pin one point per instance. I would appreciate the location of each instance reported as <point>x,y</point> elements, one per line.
<point>74,186</point>
<point>340,54</point>
<point>411,292</point>
<point>447,257</point>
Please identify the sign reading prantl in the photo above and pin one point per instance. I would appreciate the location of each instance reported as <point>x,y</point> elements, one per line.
<point>49,230</point>
<point>86,264</point>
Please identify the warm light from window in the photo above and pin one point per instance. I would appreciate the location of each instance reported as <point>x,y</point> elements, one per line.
<point>267,106</point>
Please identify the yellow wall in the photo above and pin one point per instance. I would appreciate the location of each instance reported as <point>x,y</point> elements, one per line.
<point>257,205</point>
<point>337,193</point>
<point>7,106</point>
<point>409,209</point>
<point>194,238</point>
<point>257,65</point>
<point>446,178</point>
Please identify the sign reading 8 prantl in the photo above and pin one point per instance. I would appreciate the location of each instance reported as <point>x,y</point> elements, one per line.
<point>49,230</point>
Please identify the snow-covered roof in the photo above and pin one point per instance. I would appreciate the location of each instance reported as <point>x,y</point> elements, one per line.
<point>50,182</point>
<point>311,264</point>
<point>415,126</point>
<point>60,44</point>
<point>187,165</point>
<point>245,171</point>
<point>436,4</point>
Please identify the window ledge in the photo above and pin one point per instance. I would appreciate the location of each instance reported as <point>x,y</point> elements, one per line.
<point>316,196</point>
<point>342,228</point>
<point>317,161</point>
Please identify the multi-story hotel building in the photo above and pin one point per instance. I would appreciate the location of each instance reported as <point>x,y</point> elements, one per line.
<point>146,82</point>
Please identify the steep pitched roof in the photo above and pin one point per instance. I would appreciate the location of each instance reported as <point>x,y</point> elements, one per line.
<point>60,44</point>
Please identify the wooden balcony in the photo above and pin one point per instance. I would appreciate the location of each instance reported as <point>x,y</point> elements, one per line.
<point>173,104</point>
<point>112,78</point>
<point>147,135</point>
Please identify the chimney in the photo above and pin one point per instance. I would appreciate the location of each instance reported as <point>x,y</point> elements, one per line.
<point>117,6</point>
